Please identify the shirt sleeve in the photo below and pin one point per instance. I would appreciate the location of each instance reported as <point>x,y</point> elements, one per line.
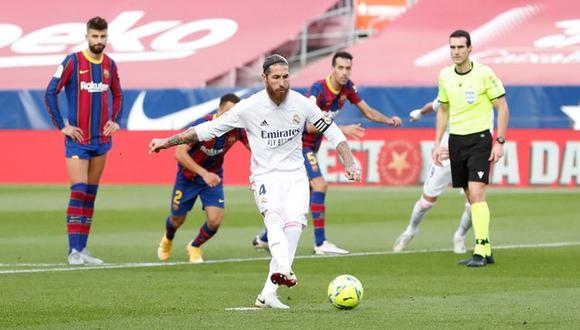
<point>117,94</point>
<point>493,86</point>
<point>442,94</point>
<point>222,124</point>
<point>352,94</point>
<point>436,105</point>
<point>324,124</point>
<point>57,82</point>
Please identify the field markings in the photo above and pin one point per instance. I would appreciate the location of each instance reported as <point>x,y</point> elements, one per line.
<point>62,267</point>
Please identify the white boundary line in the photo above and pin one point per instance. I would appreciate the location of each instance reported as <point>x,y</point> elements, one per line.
<point>60,267</point>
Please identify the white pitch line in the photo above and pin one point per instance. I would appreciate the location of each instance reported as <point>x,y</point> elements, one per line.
<point>59,267</point>
<point>243,309</point>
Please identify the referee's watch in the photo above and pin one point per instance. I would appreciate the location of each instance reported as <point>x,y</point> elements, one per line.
<point>500,140</point>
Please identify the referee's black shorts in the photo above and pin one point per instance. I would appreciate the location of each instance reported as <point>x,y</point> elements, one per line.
<point>469,157</point>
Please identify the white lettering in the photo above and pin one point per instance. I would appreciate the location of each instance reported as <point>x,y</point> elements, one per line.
<point>93,87</point>
<point>49,45</point>
<point>544,162</point>
<point>372,148</point>
<point>571,163</point>
<point>219,30</point>
<point>9,33</point>
<point>326,161</point>
<point>51,39</point>
<point>507,167</point>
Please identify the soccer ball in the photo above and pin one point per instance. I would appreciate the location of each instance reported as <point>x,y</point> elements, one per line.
<point>345,292</point>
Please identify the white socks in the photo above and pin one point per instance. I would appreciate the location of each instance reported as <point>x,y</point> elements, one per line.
<point>465,223</point>
<point>277,241</point>
<point>281,260</point>
<point>419,211</point>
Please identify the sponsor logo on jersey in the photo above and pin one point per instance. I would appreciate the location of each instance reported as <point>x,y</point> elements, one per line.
<point>93,87</point>
<point>278,138</point>
<point>211,151</point>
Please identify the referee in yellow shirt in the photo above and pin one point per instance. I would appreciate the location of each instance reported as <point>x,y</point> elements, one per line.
<point>468,92</point>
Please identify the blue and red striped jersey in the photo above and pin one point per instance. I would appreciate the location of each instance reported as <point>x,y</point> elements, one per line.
<point>328,100</point>
<point>87,83</point>
<point>210,154</point>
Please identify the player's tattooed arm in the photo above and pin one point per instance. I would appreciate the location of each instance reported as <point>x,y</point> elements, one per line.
<point>188,136</point>
<point>351,169</point>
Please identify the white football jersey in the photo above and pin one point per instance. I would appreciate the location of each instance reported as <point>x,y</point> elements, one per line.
<point>274,132</point>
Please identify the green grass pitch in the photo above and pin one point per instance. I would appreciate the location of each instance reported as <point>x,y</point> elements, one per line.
<point>534,285</point>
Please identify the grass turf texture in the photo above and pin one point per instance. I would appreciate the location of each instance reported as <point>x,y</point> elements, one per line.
<point>532,287</point>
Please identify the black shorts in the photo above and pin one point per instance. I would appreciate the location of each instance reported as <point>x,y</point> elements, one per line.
<point>469,156</point>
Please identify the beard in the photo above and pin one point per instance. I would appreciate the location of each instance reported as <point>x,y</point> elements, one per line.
<point>277,95</point>
<point>97,49</point>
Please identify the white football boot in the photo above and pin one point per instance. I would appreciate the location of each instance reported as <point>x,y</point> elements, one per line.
<point>270,301</point>
<point>89,259</point>
<point>74,258</point>
<point>328,248</point>
<point>402,242</point>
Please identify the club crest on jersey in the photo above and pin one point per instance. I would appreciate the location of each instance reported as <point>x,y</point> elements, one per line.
<point>106,74</point>
<point>296,119</point>
<point>469,97</point>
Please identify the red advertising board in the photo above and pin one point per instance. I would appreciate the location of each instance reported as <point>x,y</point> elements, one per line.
<point>389,157</point>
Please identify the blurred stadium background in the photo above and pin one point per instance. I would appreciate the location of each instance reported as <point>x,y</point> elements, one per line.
<point>175,60</point>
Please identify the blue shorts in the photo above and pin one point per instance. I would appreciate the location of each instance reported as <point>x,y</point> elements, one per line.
<point>311,163</point>
<point>185,193</point>
<point>85,151</point>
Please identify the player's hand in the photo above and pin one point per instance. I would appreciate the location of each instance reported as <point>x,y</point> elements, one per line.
<point>437,156</point>
<point>157,144</point>
<point>110,127</point>
<point>211,179</point>
<point>415,115</point>
<point>73,132</point>
<point>395,121</point>
<point>496,153</point>
<point>444,153</point>
<point>355,130</point>
<point>353,173</point>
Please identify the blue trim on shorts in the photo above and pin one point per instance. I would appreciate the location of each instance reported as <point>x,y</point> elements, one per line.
<point>185,193</point>
<point>85,151</point>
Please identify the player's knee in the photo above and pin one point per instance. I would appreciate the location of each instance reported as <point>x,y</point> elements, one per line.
<point>425,204</point>
<point>214,222</point>
<point>177,220</point>
<point>319,184</point>
<point>293,226</point>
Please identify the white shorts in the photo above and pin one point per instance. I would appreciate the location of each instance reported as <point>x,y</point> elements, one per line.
<point>438,180</point>
<point>284,191</point>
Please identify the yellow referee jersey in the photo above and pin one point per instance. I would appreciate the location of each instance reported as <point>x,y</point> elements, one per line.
<point>470,97</point>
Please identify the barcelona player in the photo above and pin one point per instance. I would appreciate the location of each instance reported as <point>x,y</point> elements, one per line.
<point>330,94</point>
<point>200,173</point>
<point>89,78</point>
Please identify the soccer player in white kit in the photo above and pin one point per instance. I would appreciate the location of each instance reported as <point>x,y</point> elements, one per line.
<point>438,180</point>
<point>275,119</point>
